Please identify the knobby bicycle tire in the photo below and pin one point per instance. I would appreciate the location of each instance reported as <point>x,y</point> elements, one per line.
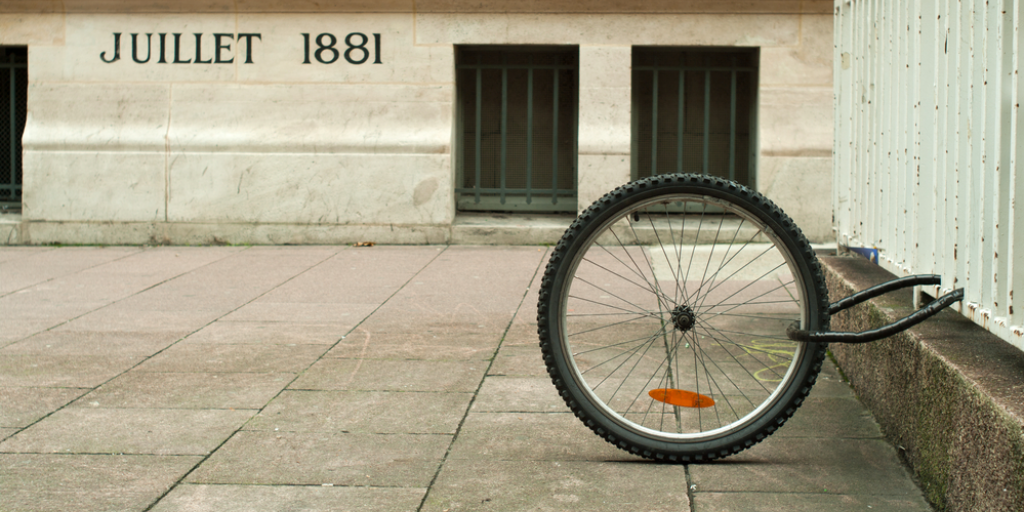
<point>663,311</point>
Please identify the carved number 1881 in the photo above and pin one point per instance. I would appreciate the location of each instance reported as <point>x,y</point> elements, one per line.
<point>356,51</point>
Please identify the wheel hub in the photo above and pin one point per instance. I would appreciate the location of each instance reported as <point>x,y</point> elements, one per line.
<point>683,318</point>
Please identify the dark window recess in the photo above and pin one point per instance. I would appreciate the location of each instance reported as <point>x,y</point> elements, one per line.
<point>694,111</point>
<point>517,122</point>
<point>13,96</point>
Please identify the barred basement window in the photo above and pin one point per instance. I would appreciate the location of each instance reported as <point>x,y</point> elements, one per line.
<point>694,111</point>
<point>14,91</point>
<point>516,131</point>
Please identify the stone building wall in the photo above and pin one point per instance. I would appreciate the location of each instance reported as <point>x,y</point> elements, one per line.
<point>243,141</point>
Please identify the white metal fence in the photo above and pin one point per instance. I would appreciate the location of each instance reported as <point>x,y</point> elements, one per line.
<point>929,140</point>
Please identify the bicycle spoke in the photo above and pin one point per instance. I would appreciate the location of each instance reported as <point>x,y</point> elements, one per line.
<point>604,327</point>
<point>748,349</point>
<point>616,274</point>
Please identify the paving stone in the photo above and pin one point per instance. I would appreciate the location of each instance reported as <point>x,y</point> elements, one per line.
<point>124,316</point>
<point>63,341</point>
<point>344,278</point>
<point>17,329</point>
<point>347,315</point>
<point>15,252</point>
<point>20,407</point>
<point>518,394</point>
<point>269,333</point>
<point>162,263</point>
<point>809,465</point>
<point>246,498</point>
<point>558,486</point>
<point>167,301</point>
<point>78,371</point>
<point>379,412</point>
<point>203,291</point>
<point>830,383</point>
<point>128,431</point>
<point>375,416</point>
<point>531,436</point>
<point>23,318</point>
<point>231,282</point>
<point>523,332</point>
<point>787,502</point>
<point>424,344</point>
<point>86,287</point>
<point>519,360</point>
<point>832,418</point>
<point>300,458</point>
<point>225,358</point>
<point>463,291</point>
<point>389,375</point>
<point>287,257</point>
<point>464,281</point>
<point>45,264</point>
<point>524,325</point>
<point>190,390</point>
<point>436,316</point>
<point>33,483</point>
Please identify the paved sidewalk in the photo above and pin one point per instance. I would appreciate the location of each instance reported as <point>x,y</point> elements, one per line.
<point>340,378</point>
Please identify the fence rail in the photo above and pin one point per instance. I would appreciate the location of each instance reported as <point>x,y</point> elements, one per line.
<point>929,141</point>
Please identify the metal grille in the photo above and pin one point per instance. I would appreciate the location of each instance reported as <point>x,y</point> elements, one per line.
<point>693,111</point>
<point>930,144</point>
<point>517,128</point>
<point>14,87</point>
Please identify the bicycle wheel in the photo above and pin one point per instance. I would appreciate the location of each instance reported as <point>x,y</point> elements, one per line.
<point>663,313</point>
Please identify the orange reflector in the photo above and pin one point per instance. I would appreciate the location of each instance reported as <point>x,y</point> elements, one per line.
<point>681,398</point>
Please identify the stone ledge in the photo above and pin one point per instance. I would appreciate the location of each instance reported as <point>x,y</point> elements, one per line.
<point>467,229</point>
<point>10,229</point>
<point>507,229</point>
<point>470,229</point>
<point>947,393</point>
<point>227,233</point>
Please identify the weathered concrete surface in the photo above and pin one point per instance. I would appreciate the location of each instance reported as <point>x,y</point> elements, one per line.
<point>948,393</point>
<point>10,229</point>
<point>340,378</point>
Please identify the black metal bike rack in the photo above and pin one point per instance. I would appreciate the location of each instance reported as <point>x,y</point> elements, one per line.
<point>928,311</point>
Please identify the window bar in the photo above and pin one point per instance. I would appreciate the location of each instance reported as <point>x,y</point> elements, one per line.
<point>707,118</point>
<point>681,126</point>
<point>504,125</point>
<point>13,123</point>
<point>732,124</point>
<point>554,145</point>
<point>14,126</point>
<point>654,125</point>
<point>479,125</point>
<point>529,132</point>
<point>574,139</point>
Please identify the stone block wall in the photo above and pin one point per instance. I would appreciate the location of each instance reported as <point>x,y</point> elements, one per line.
<point>948,394</point>
<point>239,139</point>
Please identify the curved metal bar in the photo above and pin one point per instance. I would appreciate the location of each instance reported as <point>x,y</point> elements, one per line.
<point>903,324</point>
<point>886,287</point>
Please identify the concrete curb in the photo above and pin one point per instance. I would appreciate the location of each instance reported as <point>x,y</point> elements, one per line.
<point>469,229</point>
<point>947,393</point>
<point>10,229</point>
